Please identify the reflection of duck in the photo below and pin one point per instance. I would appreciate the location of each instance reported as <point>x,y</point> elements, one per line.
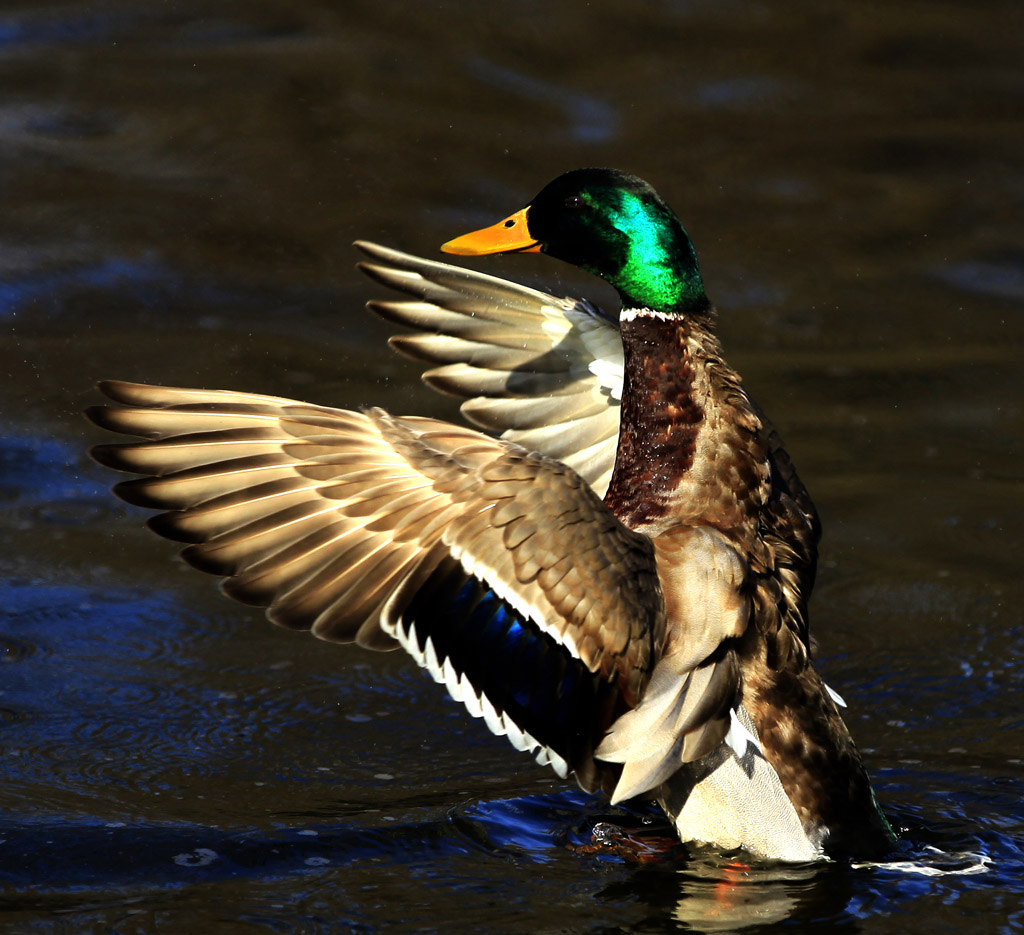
<point>653,643</point>
<point>728,896</point>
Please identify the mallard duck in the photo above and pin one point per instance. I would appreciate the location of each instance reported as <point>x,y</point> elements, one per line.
<point>618,582</point>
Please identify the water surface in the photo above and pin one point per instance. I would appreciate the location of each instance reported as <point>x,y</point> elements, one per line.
<point>182,182</point>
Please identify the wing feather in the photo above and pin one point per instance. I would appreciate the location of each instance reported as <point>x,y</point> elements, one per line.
<point>522,359</point>
<point>339,521</point>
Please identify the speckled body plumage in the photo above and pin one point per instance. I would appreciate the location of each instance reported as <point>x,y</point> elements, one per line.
<point>697,453</point>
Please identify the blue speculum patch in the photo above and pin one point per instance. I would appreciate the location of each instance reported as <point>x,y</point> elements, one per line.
<point>524,672</point>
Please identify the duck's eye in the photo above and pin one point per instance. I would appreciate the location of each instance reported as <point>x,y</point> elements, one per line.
<point>574,202</point>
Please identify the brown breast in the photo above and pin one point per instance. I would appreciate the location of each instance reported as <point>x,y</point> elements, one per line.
<point>692,449</point>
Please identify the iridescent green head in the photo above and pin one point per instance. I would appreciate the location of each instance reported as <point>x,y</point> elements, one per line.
<point>611,224</point>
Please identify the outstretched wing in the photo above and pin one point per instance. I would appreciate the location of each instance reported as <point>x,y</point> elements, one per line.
<point>542,371</point>
<point>496,568</point>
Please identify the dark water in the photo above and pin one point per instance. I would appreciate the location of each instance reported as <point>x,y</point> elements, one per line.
<point>181,182</point>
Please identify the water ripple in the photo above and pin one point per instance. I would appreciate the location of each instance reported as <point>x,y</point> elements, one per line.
<point>93,692</point>
<point>40,469</point>
<point>696,886</point>
<point>49,27</point>
<point>1001,276</point>
<point>14,650</point>
<point>590,119</point>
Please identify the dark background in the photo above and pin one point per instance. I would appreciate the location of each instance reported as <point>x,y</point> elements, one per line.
<point>181,183</point>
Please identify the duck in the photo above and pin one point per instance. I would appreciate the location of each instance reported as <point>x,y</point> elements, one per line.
<point>610,564</point>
